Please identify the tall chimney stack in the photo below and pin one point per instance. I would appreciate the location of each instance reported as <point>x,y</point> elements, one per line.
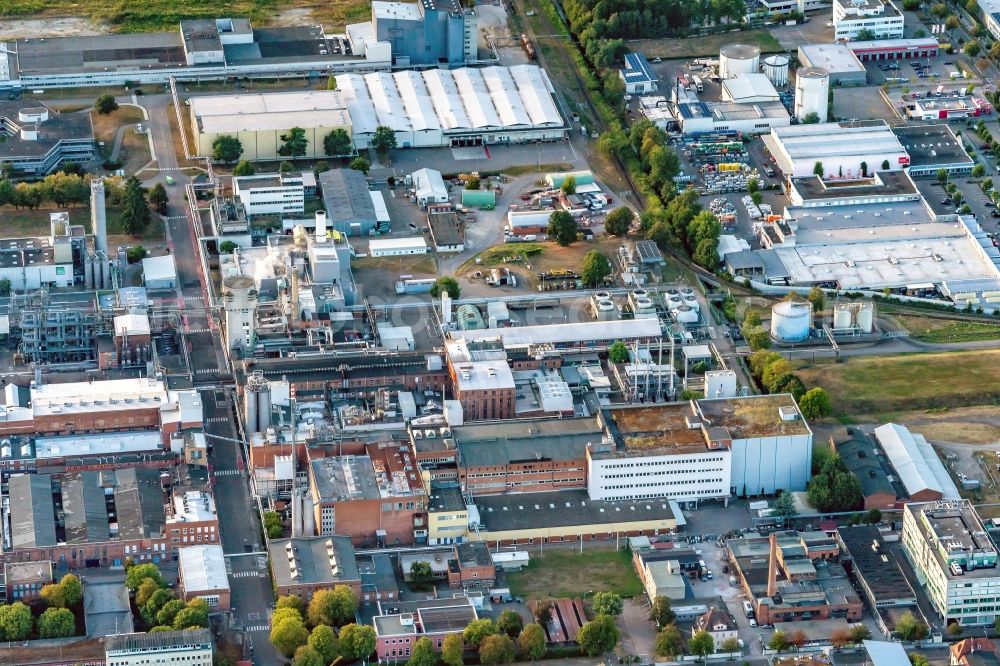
<point>321,226</point>
<point>98,214</point>
<point>772,567</point>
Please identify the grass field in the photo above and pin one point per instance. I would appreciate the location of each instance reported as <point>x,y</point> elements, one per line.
<point>704,45</point>
<point>152,15</point>
<point>30,223</point>
<point>880,385</point>
<point>927,329</point>
<point>568,573</point>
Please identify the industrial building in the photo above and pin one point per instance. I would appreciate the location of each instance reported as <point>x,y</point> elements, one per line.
<point>459,107</point>
<point>430,32</point>
<point>190,646</point>
<point>638,76</point>
<point>948,108</point>
<point>852,18</point>
<point>697,117</point>
<point>304,565</point>
<point>840,147</point>
<point>349,204</point>
<point>916,463</point>
<point>260,120</point>
<point>875,567</point>
<point>735,59</point>
<point>947,544</point>
<point>429,187</point>
<point>812,94</point>
<point>397,247</point>
<point>201,574</point>
<point>990,10</point>
<point>37,140</point>
<point>895,49</point>
<point>838,60</point>
<point>159,272</point>
<point>749,88</point>
<point>269,194</point>
<point>400,624</point>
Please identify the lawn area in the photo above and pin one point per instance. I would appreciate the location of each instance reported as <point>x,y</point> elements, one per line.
<point>704,45</point>
<point>885,384</point>
<point>106,126</point>
<point>927,329</point>
<point>153,15</point>
<point>421,264</point>
<point>521,170</point>
<point>30,223</point>
<point>568,573</point>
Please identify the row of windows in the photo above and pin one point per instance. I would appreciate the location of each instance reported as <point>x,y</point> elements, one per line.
<point>711,492</point>
<point>632,475</point>
<point>663,461</point>
<point>661,483</point>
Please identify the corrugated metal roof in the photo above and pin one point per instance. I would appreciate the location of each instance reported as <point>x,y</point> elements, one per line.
<point>915,461</point>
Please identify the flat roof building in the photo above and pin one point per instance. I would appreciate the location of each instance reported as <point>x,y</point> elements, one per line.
<point>350,208</point>
<point>749,88</point>
<point>400,624</point>
<point>837,59</point>
<point>638,76</point>
<point>875,567</point>
<point>855,18</point>
<point>201,574</point>
<point>932,147</point>
<point>303,565</point>
<point>190,646</point>
<point>38,140</point>
<point>839,147</point>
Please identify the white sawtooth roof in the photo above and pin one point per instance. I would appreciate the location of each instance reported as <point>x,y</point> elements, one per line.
<point>536,94</point>
<point>446,99</point>
<point>567,333</point>
<point>358,102</point>
<point>506,100</point>
<point>476,99</point>
<point>417,101</point>
<point>388,102</point>
<point>915,461</point>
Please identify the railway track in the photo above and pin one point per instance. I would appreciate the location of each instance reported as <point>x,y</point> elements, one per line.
<point>938,314</point>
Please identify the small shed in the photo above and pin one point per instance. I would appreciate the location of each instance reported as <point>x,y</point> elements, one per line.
<point>429,187</point>
<point>556,180</point>
<point>397,247</point>
<point>160,272</point>
<point>479,198</point>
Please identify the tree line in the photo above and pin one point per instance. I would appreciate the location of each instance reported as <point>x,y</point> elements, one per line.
<point>56,608</point>
<point>159,608</point>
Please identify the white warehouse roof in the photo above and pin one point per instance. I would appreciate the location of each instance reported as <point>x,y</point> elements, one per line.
<point>591,331</point>
<point>797,148</point>
<point>254,112</point>
<point>159,268</point>
<point>465,99</point>
<point>202,568</point>
<point>749,87</point>
<point>405,243</point>
<point>915,461</point>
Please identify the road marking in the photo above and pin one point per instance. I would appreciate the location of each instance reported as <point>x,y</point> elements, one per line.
<point>259,627</point>
<point>227,472</point>
<point>246,574</point>
<point>207,371</point>
<point>217,419</point>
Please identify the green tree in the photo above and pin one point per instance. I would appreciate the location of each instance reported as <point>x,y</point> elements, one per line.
<point>226,148</point>
<point>596,268</point>
<point>661,612</point>
<point>272,521</point>
<point>477,631</point>
<point>701,644</point>
<point>294,143</point>
<point>52,596</point>
<point>730,645</point>
<point>818,169</point>
<point>779,642</point>
<point>166,615</point>
<point>810,118</point>
<point>331,82</point>
<point>562,228</point>
<point>942,176</point>
<point>72,590</point>
<point>619,221</point>
<point>56,623</point>
<point>288,635</point>
<point>939,9</point>
<point>357,641</point>
<point>598,636</point>
<point>286,167</point>
<point>137,573</point>
<point>978,171</point>
<point>244,168</point>
<point>194,615</point>
<point>15,621</point>
<point>817,298</point>
<point>531,643</point>
<point>473,183</point>
<point>873,517</point>
<point>134,214</point>
<point>446,284</point>
<point>866,35</point>
<point>864,169</point>
<point>154,604</point>
<point>135,254</point>
<point>453,650</point>
<point>618,352</point>
<point>669,642</point>
<point>333,607</point>
<point>422,654</point>
<point>510,623</point>
<point>5,287</point>
<point>307,656</point>
<point>105,104</point>
<point>227,247</point>
<point>291,601</point>
<point>972,48</point>
<point>361,164</point>
<point>158,198</point>
<point>383,140</point>
<point>954,630</point>
<point>909,628</point>
<point>421,575</point>
<point>543,612</point>
<point>860,632</point>
<point>911,5</point>
<point>338,143</point>
<point>918,659</point>
<point>815,404</point>
<point>496,649</point>
<point>569,185</point>
<point>951,23</point>
<point>885,165</point>
<point>757,337</point>
<point>145,591</point>
<point>323,639</point>
<point>784,506</point>
<point>753,185</point>
<point>608,603</point>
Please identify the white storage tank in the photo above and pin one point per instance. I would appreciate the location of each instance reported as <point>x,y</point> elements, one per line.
<point>866,317</point>
<point>843,316</point>
<point>685,314</point>
<point>776,69</point>
<point>736,59</point>
<point>791,321</point>
<point>604,310</point>
<point>812,89</point>
<point>643,307</point>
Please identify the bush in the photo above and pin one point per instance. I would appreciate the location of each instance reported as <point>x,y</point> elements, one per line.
<point>105,104</point>
<point>136,253</point>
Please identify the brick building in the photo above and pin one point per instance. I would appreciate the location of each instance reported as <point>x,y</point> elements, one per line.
<point>303,565</point>
<point>401,624</point>
<point>104,517</point>
<point>481,380</point>
<point>464,566</point>
<point>376,498</point>
<point>201,574</point>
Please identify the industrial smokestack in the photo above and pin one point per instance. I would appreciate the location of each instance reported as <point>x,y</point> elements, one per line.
<point>321,226</point>
<point>98,214</point>
<point>772,567</point>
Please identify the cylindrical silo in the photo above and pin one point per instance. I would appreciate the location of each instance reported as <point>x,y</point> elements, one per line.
<point>866,317</point>
<point>776,69</point>
<point>264,408</point>
<point>250,410</point>
<point>105,270</point>
<point>812,89</point>
<point>88,270</point>
<point>843,316</point>
<point>791,320</point>
<point>738,59</point>
<point>605,310</point>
